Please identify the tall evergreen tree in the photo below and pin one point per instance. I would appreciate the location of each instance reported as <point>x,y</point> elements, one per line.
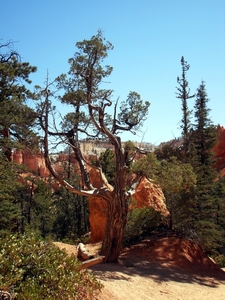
<point>71,215</point>
<point>183,93</point>
<point>36,206</point>
<point>16,118</point>
<point>203,138</point>
<point>9,206</point>
<point>204,131</point>
<point>70,210</point>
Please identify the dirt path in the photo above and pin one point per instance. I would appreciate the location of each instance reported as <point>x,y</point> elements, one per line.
<point>167,268</point>
<point>142,280</point>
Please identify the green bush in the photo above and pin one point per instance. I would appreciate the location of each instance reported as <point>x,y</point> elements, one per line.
<point>141,221</point>
<point>35,269</point>
<point>220,260</point>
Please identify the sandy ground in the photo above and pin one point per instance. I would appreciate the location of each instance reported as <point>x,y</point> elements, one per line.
<point>167,268</point>
<point>147,280</point>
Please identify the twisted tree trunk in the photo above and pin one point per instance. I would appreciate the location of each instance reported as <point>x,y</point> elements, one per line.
<point>115,228</point>
<point>116,218</point>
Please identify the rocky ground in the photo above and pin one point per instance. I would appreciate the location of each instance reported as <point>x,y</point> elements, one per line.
<point>159,268</point>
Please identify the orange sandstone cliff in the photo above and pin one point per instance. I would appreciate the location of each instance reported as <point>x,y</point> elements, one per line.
<point>219,149</point>
<point>35,162</point>
<point>147,194</point>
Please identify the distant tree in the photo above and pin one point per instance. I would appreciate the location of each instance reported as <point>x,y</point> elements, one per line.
<point>41,208</point>
<point>176,179</point>
<point>107,163</point>
<point>147,166</point>
<point>90,117</point>
<point>70,210</point>
<point>167,151</point>
<point>24,198</point>
<point>71,215</point>
<point>183,93</point>
<point>17,120</point>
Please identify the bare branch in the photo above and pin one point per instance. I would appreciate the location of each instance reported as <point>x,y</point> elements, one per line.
<point>135,183</point>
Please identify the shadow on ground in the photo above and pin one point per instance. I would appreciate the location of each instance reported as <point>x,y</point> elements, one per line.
<point>159,272</point>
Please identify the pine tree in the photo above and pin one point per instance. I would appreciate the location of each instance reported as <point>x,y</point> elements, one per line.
<point>107,162</point>
<point>9,207</point>
<point>204,131</point>
<point>70,210</point>
<point>71,215</point>
<point>184,94</point>
<point>17,120</point>
<point>36,206</point>
<point>203,138</point>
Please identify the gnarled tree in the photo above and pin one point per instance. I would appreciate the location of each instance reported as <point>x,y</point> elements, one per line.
<point>91,106</point>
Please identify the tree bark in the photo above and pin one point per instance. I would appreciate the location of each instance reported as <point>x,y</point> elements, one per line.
<point>116,219</point>
<point>117,208</point>
<point>114,233</point>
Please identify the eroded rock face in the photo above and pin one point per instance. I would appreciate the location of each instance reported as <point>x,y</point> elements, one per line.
<point>35,162</point>
<point>18,157</point>
<point>219,148</point>
<point>97,209</point>
<point>97,219</point>
<point>148,195</point>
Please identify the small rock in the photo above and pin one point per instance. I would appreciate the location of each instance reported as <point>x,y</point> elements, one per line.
<point>82,252</point>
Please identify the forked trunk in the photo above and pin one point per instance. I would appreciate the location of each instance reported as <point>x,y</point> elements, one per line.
<point>115,228</point>
<point>117,210</point>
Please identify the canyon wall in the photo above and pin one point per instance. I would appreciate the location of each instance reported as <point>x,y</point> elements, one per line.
<point>147,194</point>
<point>219,149</point>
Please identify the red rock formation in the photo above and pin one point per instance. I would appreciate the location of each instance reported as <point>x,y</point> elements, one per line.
<point>97,219</point>
<point>23,179</point>
<point>95,177</point>
<point>222,172</point>
<point>63,157</point>
<point>146,195</point>
<point>149,194</point>
<point>17,157</point>
<point>35,162</point>
<point>219,148</point>
<point>97,209</point>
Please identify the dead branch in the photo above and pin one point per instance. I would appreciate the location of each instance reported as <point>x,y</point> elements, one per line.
<point>91,262</point>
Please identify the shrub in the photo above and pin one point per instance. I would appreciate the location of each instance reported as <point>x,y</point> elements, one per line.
<point>141,221</point>
<point>220,260</point>
<point>35,269</point>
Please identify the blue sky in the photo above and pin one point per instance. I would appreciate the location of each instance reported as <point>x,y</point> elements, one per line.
<point>149,38</point>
